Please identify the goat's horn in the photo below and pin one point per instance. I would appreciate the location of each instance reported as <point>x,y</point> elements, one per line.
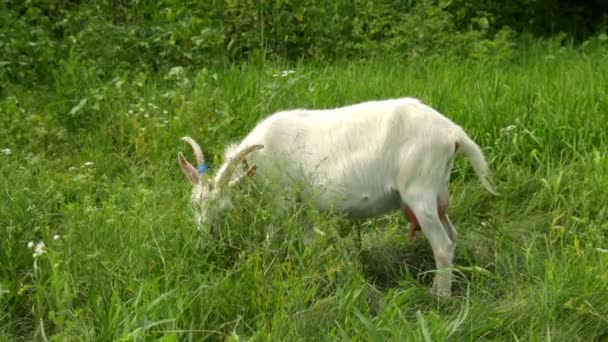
<point>198,153</point>
<point>238,179</point>
<point>233,163</point>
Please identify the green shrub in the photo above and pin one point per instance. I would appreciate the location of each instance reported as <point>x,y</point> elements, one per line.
<point>112,36</point>
<point>158,36</point>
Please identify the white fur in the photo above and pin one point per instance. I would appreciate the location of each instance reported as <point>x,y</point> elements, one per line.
<point>369,159</point>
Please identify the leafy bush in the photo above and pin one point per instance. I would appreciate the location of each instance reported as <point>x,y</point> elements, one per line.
<point>159,36</point>
<point>28,47</point>
<point>116,35</point>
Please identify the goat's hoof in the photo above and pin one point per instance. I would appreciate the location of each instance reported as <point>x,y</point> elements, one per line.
<point>442,293</point>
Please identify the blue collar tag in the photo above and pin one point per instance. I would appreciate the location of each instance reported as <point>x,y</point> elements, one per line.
<point>202,168</point>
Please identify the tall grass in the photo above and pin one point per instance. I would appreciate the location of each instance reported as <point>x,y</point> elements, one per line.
<point>92,172</point>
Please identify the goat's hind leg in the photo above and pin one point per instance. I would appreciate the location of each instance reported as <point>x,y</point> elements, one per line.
<point>424,206</point>
<point>442,204</point>
<point>449,228</point>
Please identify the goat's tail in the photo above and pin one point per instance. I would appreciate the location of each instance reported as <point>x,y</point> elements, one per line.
<point>473,153</point>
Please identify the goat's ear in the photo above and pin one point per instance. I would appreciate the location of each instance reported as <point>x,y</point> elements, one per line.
<point>188,170</point>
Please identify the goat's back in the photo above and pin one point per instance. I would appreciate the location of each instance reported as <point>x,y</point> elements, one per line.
<point>334,143</point>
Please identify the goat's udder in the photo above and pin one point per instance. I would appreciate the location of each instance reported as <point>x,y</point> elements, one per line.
<point>442,209</point>
<point>414,226</point>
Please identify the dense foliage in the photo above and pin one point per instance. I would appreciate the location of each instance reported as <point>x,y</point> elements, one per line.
<point>111,34</point>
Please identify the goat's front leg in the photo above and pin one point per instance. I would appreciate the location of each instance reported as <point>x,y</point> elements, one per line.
<point>425,210</point>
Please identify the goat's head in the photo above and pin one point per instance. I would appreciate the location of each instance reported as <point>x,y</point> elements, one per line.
<point>211,194</point>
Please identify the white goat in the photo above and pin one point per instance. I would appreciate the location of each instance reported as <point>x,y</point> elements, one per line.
<point>362,160</point>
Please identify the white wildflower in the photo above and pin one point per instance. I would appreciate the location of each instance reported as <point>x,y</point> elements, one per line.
<point>175,71</point>
<point>6,151</point>
<point>39,249</point>
<point>319,231</point>
<point>56,237</point>
<point>30,244</point>
<point>284,73</point>
<point>509,128</point>
<point>79,177</point>
<point>87,164</point>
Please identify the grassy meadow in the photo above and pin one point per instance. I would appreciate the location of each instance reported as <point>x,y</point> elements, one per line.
<point>88,167</point>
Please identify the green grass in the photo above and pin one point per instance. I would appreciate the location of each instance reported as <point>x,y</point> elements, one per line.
<point>128,263</point>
